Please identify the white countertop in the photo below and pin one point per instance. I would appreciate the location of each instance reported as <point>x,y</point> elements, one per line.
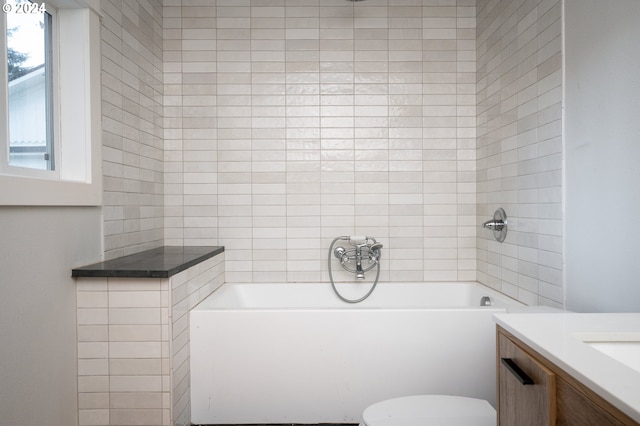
<point>560,338</point>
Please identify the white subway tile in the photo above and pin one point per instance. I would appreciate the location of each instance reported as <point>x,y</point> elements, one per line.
<point>135,316</point>
<point>93,367</point>
<point>134,349</point>
<point>92,316</point>
<point>90,417</point>
<point>136,400</point>
<point>135,383</point>
<point>94,400</point>
<point>135,367</point>
<point>91,384</point>
<point>91,299</point>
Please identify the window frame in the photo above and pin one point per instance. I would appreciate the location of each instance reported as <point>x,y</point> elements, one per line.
<point>50,75</point>
<point>77,180</point>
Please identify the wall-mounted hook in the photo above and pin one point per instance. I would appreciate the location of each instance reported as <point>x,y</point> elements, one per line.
<point>498,225</point>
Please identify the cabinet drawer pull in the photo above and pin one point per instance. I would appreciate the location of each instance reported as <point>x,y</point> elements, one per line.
<point>517,371</point>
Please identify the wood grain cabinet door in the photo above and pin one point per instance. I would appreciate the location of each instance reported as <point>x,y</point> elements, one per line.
<point>576,409</point>
<point>526,388</point>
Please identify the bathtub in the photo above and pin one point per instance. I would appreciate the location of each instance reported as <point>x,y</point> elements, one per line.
<point>295,353</point>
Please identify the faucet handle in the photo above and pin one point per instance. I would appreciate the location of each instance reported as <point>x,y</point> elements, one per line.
<point>498,225</point>
<point>375,247</point>
<point>494,225</point>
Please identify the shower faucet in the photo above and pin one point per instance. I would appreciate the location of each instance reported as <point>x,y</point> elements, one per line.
<point>498,225</point>
<point>364,248</point>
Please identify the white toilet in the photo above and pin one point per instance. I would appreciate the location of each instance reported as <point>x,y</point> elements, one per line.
<point>430,410</point>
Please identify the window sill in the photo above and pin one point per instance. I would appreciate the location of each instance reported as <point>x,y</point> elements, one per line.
<point>25,191</point>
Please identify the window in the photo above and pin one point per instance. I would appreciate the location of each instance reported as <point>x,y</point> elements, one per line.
<point>29,35</point>
<point>50,103</point>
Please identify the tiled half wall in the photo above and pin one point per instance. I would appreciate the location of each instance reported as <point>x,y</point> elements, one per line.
<point>133,346</point>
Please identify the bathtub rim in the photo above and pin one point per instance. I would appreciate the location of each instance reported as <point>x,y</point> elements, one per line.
<point>506,301</point>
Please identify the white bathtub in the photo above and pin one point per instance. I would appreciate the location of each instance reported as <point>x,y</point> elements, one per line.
<point>294,353</point>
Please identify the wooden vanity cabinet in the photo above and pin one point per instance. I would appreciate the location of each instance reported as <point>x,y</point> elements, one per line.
<point>532,391</point>
<point>526,388</point>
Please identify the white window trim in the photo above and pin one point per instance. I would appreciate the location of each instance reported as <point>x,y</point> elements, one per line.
<point>79,145</point>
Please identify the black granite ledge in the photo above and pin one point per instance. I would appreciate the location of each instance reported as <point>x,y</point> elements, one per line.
<point>161,262</point>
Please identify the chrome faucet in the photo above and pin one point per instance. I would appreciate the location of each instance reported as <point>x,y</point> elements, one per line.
<point>498,225</point>
<point>364,248</point>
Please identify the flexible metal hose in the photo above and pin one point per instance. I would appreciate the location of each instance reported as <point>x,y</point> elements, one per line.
<point>333,285</point>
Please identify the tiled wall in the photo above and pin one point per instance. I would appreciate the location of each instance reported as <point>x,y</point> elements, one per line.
<point>188,288</point>
<point>283,123</point>
<point>133,346</point>
<point>289,122</point>
<point>123,351</point>
<point>520,146</point>
<point>132,126</point>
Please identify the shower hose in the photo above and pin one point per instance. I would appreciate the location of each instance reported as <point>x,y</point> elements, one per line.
<point>333,285</point>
